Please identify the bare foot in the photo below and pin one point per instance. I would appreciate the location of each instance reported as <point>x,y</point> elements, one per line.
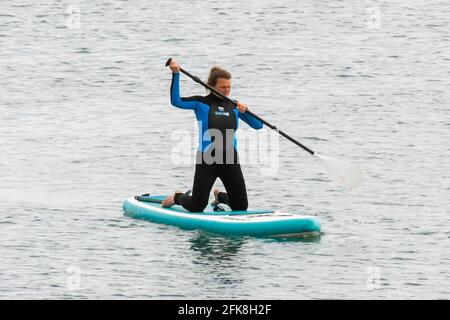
<point>170,200</point>
<point>216,197</point>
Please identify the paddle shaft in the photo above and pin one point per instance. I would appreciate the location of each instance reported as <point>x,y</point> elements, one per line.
<point>224,97</point>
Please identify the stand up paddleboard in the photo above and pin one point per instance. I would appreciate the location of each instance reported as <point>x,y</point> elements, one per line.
<point>213,219</point>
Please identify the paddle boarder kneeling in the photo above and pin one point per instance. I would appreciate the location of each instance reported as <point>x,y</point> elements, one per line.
<point>217,155</point>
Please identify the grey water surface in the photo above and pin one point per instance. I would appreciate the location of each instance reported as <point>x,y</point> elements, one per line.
<point>86,121</point>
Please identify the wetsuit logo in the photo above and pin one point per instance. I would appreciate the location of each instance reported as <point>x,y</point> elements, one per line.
<point>221,112</point>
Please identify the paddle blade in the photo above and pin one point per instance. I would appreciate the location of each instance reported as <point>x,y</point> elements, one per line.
<point>345,173</point>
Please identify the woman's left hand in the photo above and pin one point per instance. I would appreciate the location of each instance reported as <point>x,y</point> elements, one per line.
<point>242,107</point>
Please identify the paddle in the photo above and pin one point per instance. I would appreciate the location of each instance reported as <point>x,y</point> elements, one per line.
<point>347,174</point>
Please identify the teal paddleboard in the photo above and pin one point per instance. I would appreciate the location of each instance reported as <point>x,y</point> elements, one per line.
<point>249,222</point>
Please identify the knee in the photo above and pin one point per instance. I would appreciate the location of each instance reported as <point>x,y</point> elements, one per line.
<point>198,207</point>
<point>240,206</point>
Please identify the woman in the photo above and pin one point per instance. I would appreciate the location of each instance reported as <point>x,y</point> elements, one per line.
<point>217,154</point>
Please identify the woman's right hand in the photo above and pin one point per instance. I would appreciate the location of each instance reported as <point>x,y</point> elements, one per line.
<point>174,66</point>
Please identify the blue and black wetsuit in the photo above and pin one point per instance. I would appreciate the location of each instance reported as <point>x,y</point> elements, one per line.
<point>217,155</point>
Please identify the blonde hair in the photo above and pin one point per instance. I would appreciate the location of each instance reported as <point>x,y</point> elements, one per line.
<point>215,73</point>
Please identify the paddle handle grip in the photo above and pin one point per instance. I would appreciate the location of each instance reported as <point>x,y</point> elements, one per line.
<point>168,62</point>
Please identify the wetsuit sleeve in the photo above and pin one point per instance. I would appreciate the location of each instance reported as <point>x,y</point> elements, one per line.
<point>251,120</point>
<point>175,98</point>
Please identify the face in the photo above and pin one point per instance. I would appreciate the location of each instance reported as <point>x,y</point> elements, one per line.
<point>223,86</point>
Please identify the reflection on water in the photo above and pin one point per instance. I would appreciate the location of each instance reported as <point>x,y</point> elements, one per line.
<point>222,247</point>
<point>312,237</point>
<point>220,260</point>
<point>224,260</point>
<point>216,247</point>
